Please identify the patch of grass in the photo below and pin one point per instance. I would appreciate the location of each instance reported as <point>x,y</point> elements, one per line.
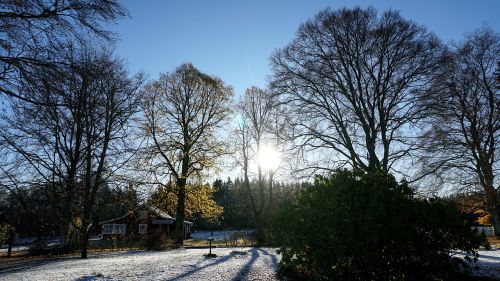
<point>216,243</point>
<point>494,241</point>
<point>15,254</point>
<point>204,243</point>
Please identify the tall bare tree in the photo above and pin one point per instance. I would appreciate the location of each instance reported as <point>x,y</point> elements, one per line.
<point>463,141</point>
<point>73,148</point>
<point>352,77</point>
<point>111,103</point>
<point>32,33</point>
<point>258,125</point>
<point>184,111</point>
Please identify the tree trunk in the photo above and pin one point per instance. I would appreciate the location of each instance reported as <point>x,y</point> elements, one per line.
<point>180,214</point>
<point>494,212</point>
<point>86,224</point>
<point>65,231</point>
<point>84,239</point>
<point>493,208</point>
<point>11,240</point>
<point>259,232</point>
<point>84,231</point>
<point>496,221</point>
<point>67,217</point>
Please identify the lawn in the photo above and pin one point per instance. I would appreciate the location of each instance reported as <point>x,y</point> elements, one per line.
<point>231,263</point>
<point>180,264</point>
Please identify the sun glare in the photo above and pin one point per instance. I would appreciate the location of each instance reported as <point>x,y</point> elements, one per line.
<point>268,158</point>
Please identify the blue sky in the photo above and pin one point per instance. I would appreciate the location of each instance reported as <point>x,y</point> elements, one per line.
<point>234,39</point>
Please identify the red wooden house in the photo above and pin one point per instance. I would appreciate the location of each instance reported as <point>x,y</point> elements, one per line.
<point>142,221</point>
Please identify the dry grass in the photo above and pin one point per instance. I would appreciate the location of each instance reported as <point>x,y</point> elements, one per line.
<point>494,241</point>
<point>218,243</point>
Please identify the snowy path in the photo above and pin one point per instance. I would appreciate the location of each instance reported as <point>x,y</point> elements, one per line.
<point>181,264</point>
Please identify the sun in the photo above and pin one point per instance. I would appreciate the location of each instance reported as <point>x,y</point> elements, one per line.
<point>268,158</point>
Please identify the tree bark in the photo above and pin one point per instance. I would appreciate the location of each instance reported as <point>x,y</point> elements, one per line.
<point>11,240</point>
<point>67,218</point>
<point>84,240</point>
<point>180,213</point>
<point>493,208</point>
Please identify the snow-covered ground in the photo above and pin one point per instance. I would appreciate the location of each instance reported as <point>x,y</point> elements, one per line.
<point>181,264</point>
<point>489,264</point>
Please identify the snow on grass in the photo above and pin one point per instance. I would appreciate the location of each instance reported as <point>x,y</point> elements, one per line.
<point>180,264</point>
<point>242,263</point>
<point>488,264</point>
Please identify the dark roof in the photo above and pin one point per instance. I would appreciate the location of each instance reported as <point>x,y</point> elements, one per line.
<point>164,217</point>
<point>161,213</point>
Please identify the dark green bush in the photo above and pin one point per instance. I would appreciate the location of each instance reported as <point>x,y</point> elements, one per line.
<point>370,227</point>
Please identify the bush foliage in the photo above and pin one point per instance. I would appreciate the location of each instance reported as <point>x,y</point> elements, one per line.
<point>370,227</point>
<point>157,240</point>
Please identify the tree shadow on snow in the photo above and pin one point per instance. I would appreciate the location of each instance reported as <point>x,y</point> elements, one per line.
<point>91,278</point>
<point>243,273</point>
<point>274,259</point>
<point>488,257</point>
<point>218,261</point>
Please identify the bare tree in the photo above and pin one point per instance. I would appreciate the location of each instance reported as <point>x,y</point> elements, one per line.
<point>183,111</point>
<point>257,126</point>
<point>33,38</point>
<point>47,141</point>
<point>463,141</point>
<point>112,101</point>
<point>32,33</point>
<point>73,149</point>
<point>351,78</point>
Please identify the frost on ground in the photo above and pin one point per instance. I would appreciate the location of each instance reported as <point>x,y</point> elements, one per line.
<point>489,264</point>
<point>181,264</point>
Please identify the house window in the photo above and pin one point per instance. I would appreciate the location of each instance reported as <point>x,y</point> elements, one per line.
<point>143,228</point>
<point>114,228</point>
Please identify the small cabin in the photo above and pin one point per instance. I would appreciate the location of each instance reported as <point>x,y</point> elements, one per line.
<point>140,222</point>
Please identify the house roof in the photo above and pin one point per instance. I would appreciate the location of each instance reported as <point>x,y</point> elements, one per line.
<point>161,213</point>
<point>164,218</point>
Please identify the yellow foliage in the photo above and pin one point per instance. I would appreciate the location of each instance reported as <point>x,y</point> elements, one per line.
<point>483,217</point>
<point>199,202</point>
